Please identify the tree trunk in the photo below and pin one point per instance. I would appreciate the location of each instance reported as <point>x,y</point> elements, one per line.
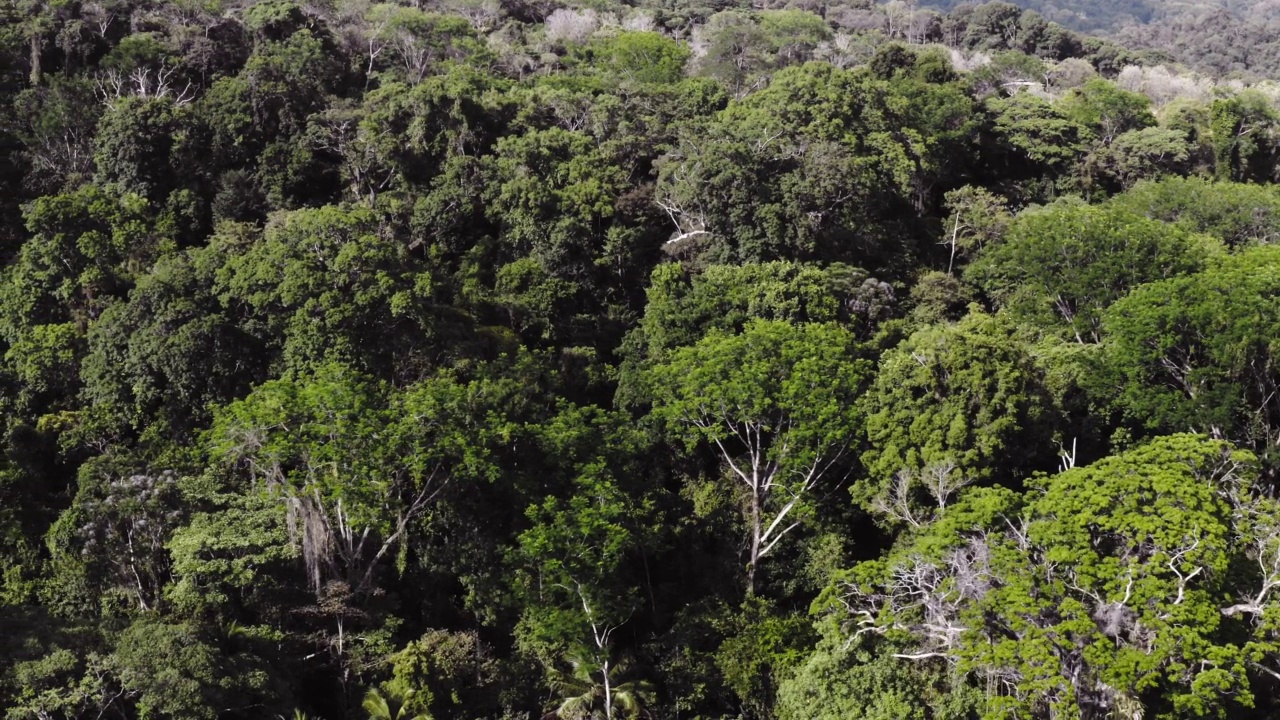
<point>955,233</point>
<point>608,694</point>
<point>36,47</point>
<point>756,531</point>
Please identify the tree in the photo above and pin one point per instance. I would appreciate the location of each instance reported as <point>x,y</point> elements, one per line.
<point>1106,109</point>
<point>1107,588</point>
<point>1040,141</point>
<point>136,148</point>
<point>994,26</point>
<point>321,282</point>
<point>361,146</point>
<point>977,218</point>
<point>390,705</point>
<point>56,126</point>
<point>1009,73</point>
<point>682,307</point>
<point>821,164</point>
<point>353,469</point>
<point>1070,73</point>
<point>576,587</point>
<point>170,352</point>
<point>86,249</point>
<point>286,81</point>
<point>1240,131</point>
<point>793,34</point>
<point>457,114</point>
<point>955,404</point>
<point>939,297</point>
<point>775,402</point>
<point>843,679</point>
<point>232,559</point>
<point>445,674</point>
<point>173,669</point>
<point>736,51</point>
<point>576,549</point>
<point>1147,154</point>
<point>1198,352</point>
<point>116,531</point>
<point>640,57</point>
<point>1063,264</point>
<point>571,26</point>
<point>414,42</point>
<point>554,194</point>
<point>763,645</point>
<point>1238,214</point>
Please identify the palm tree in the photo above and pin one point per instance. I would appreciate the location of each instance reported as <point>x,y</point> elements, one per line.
<point>390,704</point>
<point>597,689</point>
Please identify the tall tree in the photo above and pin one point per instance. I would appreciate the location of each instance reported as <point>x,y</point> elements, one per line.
<point>962,402</point>
<point>776,403</point>
<point>1065,263</point>
<point>1109,589</point>
<point>1199,352</point>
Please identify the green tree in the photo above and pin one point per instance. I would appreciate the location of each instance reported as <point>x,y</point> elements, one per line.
<point>863,679</point>
<point>1009,73</point>
<point>286,81</point>
<point>56,124</point>
<point>1107,110</point>
<point>1239,214</point>
<point>775,401</point>
<point>737,51</point>
<point>115,533</point>
<point>137,146</point>
<point>86,249</point>
<point>1106,588</point>
<point>682,307</point>
<point>353,468</point>
<point>446,674</point>
<point>640,57</point>
<point>1037,140</point>
<point>575,582</point>
<point>457,114</point>
<point>554,195</point>
<point>977,218</point>
<point>233,559</point>
<point>793,35</point>
<point>576,548</point>
<point>413,43</point>
<point>1198,352</point>
<point>821,164</point>
<point>961,402</point>
<point>763,645</point>
<point>1063,264</point>
<point>1240,131</point>
<point>1145,154</point>
<point>170,352</point>
<point>322,282</point>
<point>994,26</point>
<point>174,670</point>
<point>391,705</point>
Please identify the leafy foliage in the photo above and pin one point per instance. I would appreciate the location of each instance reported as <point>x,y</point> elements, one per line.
<point>470,360</point>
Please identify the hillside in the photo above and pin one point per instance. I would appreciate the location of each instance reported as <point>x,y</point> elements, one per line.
<point>1220,39</point>
<point>1093,16</point>
<point>1233,39</point>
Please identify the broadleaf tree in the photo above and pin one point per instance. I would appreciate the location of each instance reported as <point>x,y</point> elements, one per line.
<point>776,402</point>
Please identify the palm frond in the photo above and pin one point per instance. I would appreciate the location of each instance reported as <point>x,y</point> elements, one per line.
<point>377,706</point>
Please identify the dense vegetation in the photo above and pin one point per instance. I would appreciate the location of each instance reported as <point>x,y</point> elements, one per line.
<point>494,360</point>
